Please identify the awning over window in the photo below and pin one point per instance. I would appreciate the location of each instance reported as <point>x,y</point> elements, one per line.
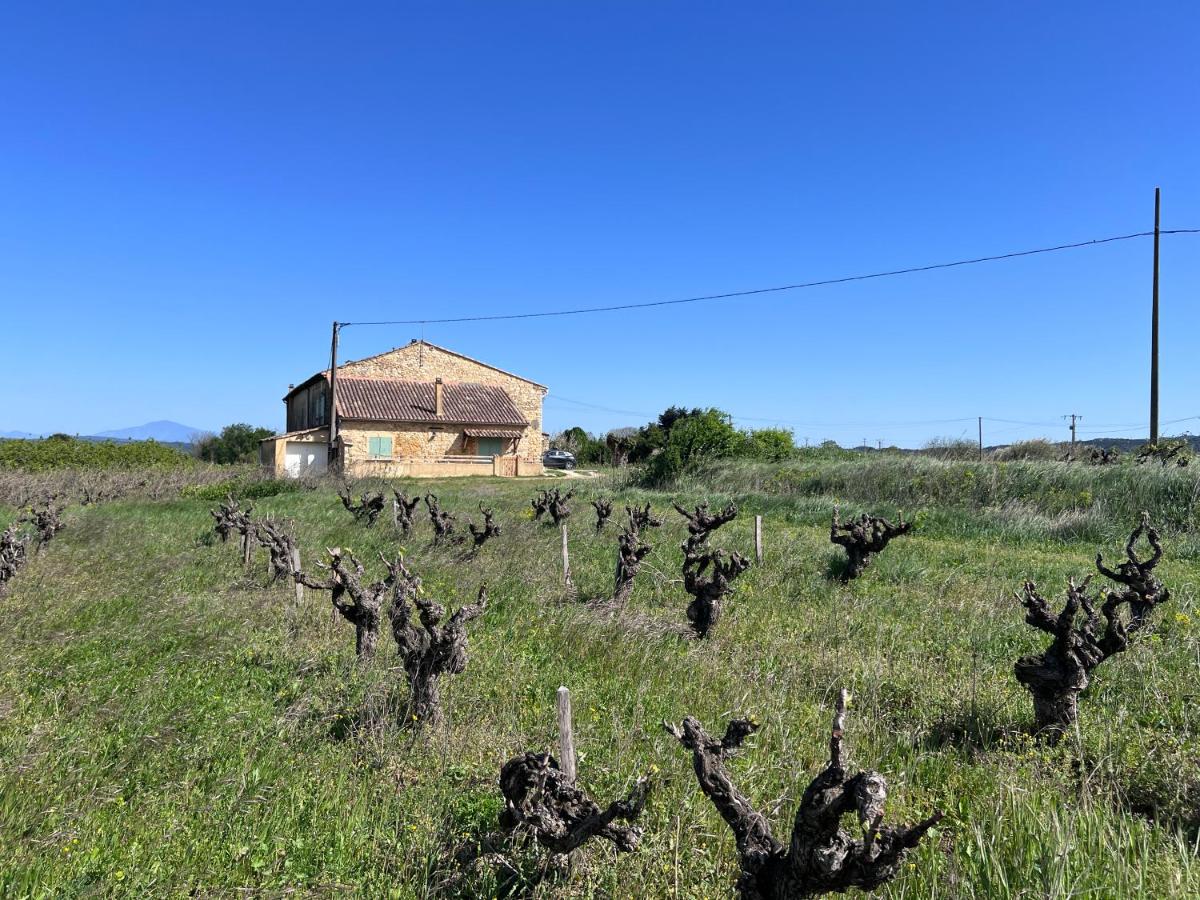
<point>492,432</point>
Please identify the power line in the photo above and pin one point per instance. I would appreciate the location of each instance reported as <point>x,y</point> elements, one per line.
<point>785,287</point>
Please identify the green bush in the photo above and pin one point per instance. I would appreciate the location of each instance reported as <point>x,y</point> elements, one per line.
<point>707,435</point>
<point>241,488</point>
<point>1037,449</point>
<point>237,443</point>
<point>771,444</point>
<point>61,451</point>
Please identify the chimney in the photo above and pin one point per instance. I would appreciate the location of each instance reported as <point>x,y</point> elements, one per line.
<point>437,398</point>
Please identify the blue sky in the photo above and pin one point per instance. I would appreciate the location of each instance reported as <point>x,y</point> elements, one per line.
<point>191,193</point>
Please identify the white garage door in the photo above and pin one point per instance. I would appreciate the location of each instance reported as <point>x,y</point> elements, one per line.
<point>306,458</point>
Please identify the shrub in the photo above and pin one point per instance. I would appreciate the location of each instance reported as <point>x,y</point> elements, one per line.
<point>951,448</point>
<point>702,436</point>
<point>772,444</point>
<point>1037,449</point>
<point>241,489</point>
<point>237,443</point>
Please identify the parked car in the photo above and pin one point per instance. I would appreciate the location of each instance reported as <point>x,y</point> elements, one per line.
<point>558,459</point>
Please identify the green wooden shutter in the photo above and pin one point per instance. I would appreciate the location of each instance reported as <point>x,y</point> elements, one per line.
<point>379,447</point>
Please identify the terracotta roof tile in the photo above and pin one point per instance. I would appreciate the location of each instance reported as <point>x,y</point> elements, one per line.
<point>389,400</point>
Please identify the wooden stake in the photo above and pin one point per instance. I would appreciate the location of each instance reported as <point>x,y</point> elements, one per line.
<point>296,569</point>
<point>247,550</point>
<point>566,738</point>
<point>758,548</point>
<point>395,513</point>
<point>566,558</point>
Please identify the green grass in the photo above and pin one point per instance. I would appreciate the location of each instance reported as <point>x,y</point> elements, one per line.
<point>162,733</point>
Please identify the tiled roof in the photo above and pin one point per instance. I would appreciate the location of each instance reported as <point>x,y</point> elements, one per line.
<point>389,400</point>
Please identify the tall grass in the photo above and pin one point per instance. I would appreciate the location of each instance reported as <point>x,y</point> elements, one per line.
<point>163,731</point>
<point>1115,494</point>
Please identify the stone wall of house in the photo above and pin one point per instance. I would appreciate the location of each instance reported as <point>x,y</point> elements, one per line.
<point>424,362</point>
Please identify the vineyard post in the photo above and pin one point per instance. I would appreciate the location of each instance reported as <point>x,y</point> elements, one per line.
<point>758,542</point>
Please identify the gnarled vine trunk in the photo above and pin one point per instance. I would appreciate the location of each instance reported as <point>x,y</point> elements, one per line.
<point>863,538</point>
<point>821,856</point>
<point>540,799</point>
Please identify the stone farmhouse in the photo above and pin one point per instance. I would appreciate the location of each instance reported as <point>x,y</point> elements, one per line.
<point>419,410</point>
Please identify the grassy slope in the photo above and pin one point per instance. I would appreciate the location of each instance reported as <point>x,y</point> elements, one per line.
<point>161,732</point>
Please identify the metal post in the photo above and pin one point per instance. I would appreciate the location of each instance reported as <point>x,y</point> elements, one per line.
<point>981,438</point>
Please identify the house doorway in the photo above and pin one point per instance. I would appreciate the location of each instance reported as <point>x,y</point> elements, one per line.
<point>305,458</point>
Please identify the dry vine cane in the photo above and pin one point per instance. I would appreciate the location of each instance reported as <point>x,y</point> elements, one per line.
<point>14,546</point>
<point>368,508</point>
<point>541,800</point>
<point>402,511</point>
<point>482,534</point>
<point>821,856</point>
<point>603,509</point>
<point>442,521</point>
<point>1143,591</point>
<point>1058,675</point>
<point>428,648</point>
<point>358,603</point>
<point>863,538</point>
<point>46,522</point>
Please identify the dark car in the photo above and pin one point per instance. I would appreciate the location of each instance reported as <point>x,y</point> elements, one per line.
<point>558,459</point>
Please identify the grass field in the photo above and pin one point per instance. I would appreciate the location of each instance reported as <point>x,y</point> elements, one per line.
<point>163,733</point>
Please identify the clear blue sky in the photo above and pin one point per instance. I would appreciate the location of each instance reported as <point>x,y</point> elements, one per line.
<point>190,193</point>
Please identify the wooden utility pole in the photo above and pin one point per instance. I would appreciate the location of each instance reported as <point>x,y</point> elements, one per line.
<point>981,438</point>
<point>1154,328</point>
<point>333,423</point>
<point>1073,417</point>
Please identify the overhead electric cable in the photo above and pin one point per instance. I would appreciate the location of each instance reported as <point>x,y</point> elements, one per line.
<point>770,290</point>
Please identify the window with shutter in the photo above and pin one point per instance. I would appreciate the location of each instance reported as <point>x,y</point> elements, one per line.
<point>379,447</point>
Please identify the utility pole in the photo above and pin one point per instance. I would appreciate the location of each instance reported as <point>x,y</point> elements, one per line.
<point>333,423</point>
<point>981,438</point>
<point>1154,329</point>
<point>1073,417</point>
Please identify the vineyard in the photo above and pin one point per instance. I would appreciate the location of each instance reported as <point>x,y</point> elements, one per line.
<point>941,679</point>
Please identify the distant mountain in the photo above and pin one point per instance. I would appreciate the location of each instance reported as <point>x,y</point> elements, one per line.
<point>162,431</point>
<point>18,435</point>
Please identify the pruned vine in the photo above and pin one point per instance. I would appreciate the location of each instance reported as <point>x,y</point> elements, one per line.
<point>442,521</point>
<point>358,603</point>
<point>821,857</point>
<point>862,538</point>
<point>481,534</point>
<point>1056,676</point>
<point>604,508</point>
<point>402,511</point>
<point>370,504</point>
<point>428,648</point>
<point>540,800</point>
<point>1143,590</point>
